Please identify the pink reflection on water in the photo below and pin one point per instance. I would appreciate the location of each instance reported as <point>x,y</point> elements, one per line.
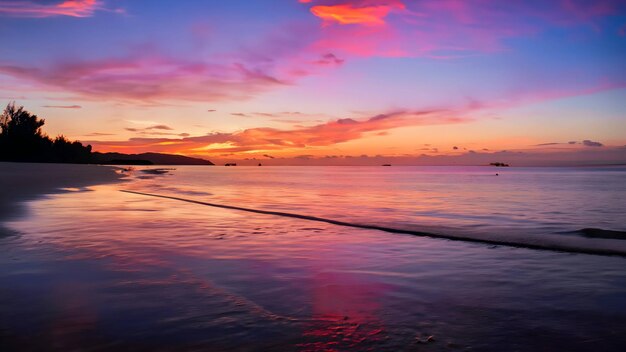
<point>345,313</point>
<point>155,244</point>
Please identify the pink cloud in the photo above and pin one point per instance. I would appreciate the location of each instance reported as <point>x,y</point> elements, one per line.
<point>273,61</point>
<point>443,28</point>
<point>73,8</point>
<point>149,79</point>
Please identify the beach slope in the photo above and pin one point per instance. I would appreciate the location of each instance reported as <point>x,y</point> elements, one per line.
<point>20,182</point>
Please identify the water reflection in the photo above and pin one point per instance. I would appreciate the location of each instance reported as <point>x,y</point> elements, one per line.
<point>345,313</point>
<point>521,201</point>
<point>108,270</point>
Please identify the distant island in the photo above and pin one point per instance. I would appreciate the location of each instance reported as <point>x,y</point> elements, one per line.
<point>23,140</point>
<point>146,159</point>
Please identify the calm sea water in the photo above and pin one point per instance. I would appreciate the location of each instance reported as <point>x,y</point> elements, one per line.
<point>527,206</point>
<point>100,269</point>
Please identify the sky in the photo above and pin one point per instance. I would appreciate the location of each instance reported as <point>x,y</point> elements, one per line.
<point>326,82</point>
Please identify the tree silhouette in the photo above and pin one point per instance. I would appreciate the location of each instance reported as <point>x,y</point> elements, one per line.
<point>22,139</point>
<point>20,123</point>
<point>66,151</point>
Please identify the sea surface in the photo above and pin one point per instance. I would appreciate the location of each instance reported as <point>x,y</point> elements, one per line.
<point>281,258</point>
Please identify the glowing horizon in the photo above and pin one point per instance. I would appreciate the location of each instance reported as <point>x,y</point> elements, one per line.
<point>326,81</point>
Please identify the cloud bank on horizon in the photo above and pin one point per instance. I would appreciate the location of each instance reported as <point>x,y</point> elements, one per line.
<point>351,77</point>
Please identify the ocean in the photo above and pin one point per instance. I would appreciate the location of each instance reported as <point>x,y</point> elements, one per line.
<point>322,259</point>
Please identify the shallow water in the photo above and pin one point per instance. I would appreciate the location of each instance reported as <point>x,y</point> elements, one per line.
<point>100,269</point>
<point>545,207</point>
<point>529,200</point>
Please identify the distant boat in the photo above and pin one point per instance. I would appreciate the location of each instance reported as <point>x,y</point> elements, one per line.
<point>499,164</point>
<point>386,164</point>
<point>230,164</point>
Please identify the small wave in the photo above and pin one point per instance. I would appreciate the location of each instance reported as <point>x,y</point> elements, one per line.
<point>600,233</point>
<point>586,245</point>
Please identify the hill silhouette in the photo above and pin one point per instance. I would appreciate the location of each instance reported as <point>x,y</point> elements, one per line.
<point>150,158</point>
<point>23,140</point>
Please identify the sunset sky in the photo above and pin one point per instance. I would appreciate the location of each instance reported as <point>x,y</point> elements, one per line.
<point>310,82</point>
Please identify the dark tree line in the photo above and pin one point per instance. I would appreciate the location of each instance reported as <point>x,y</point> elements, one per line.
<point>22,139</point>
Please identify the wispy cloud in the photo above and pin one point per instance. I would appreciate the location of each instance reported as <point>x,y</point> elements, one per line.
<point>329,59</point>
<point>39,9</point>
<point>586,143</point>
<point>547,144</point>
<point>155,130</point>
<point>98,134</point>
<point>589,143</point>
<point>62,106</point>
<point>149,79</point>
<point>159,127</point>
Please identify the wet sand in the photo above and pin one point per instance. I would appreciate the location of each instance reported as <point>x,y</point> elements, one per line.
<point>27,181</point>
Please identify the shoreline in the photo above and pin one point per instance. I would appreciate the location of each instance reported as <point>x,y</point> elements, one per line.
<point>581,245</point>
<point>23,182</point>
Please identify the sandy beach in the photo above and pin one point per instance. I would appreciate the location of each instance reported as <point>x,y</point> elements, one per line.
<point>26,181</point>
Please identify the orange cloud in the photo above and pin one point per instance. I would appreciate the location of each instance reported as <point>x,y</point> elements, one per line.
<point>266,139</point>
<point>73,8</point>
<point>366,13</point>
